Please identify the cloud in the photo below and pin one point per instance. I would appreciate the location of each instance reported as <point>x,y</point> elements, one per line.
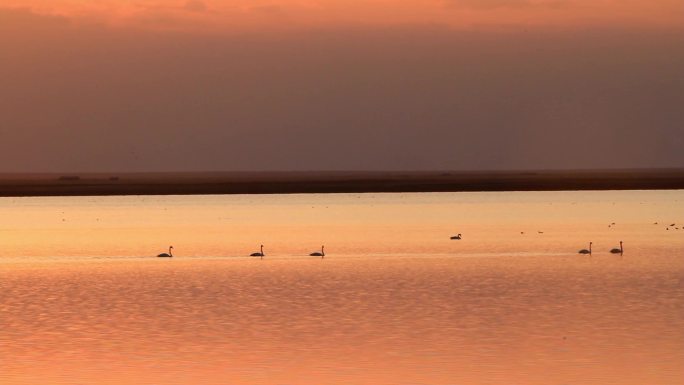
<point>20,17</point>
<point>271,10</point>
<point>86,98</point>
<point>259,15</point>
<point>508,4</point>
<point>195,6</point>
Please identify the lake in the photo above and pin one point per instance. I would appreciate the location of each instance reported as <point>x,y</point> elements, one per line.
<point>84,300</point>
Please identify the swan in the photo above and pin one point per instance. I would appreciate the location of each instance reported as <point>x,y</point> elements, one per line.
<point>259,254</point>
<point>585,251</point>
<point>456,237</point>
<point>616,250</point>
<point>317,254</point>
<point>165,255</point>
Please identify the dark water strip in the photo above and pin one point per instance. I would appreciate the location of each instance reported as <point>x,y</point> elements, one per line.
<point>90,184</point>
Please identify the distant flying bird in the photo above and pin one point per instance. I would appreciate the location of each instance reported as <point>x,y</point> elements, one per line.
<point>165,255</point>
<point>457,237</point>
<point>672,225</point>
<point>540,232</point>
<point>317,254</point>
<point>259,254</point>
<point>585,251</point>
<point>616,250</point>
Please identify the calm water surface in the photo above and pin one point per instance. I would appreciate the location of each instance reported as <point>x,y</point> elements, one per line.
<point>83,300</point>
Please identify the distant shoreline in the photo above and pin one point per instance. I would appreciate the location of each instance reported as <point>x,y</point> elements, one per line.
<point>89,184</point>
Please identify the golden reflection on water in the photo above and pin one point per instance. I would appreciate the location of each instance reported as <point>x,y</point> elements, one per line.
<point>366,224</point>
<point>83,301</point>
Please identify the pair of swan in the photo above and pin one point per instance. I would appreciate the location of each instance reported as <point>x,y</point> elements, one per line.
<point>314,254</point>
<point>258,254</point>
<point>612,251</point>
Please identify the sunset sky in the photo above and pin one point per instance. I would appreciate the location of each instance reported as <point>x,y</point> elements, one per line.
<point>340,84</point>
<point>236,15</point>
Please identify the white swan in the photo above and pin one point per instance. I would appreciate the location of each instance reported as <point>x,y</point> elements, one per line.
<point>585,251</point>
<point>165,255</point>
<point>317,254</point>
<point>616,250</point>
<point>259,254</point>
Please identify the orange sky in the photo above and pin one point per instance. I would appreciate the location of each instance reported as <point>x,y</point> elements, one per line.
<point>244,14</point>
<point>402,85</point>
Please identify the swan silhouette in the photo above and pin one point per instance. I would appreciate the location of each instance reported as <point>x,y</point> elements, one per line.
<point>585,251</point>
<point>457,237</point>
<point>259,254</point>
<point>317,254</point>
<point>165,255</point>
<point>616,250</point>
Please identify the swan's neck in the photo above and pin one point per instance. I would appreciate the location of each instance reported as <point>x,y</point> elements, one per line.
<point>590,248</point>
<point>170,252</point>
